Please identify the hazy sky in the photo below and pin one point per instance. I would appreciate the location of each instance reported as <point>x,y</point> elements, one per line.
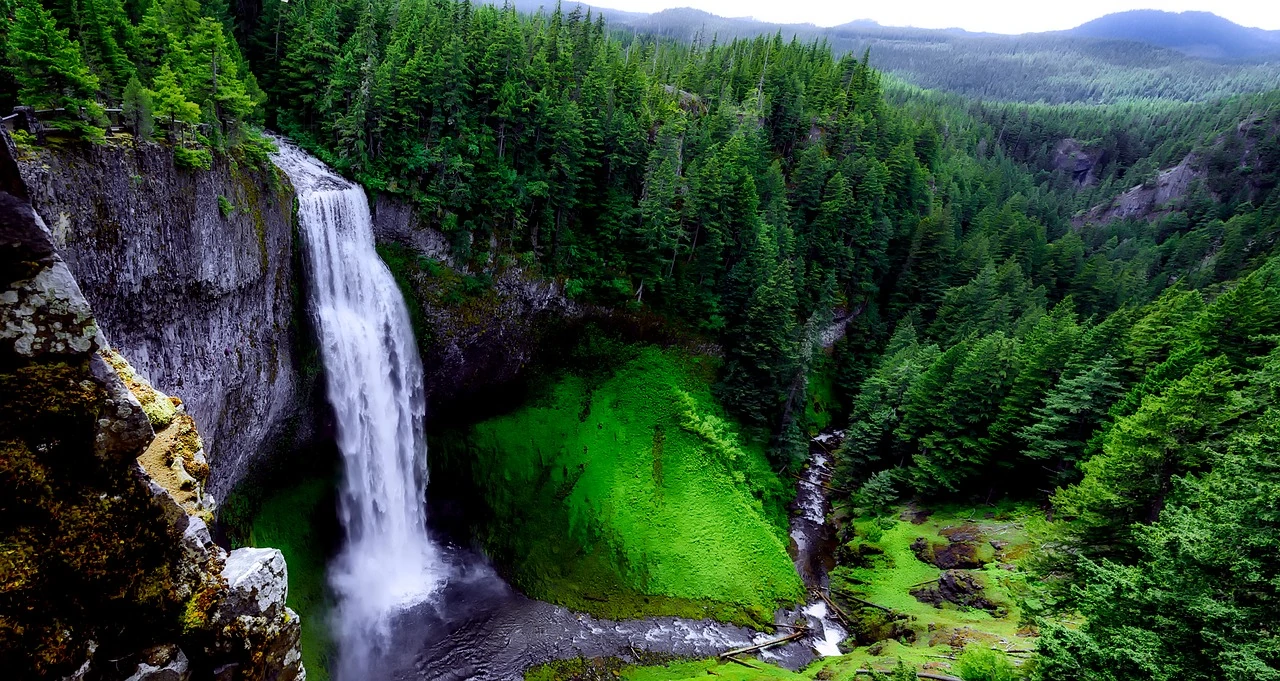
<point>997,16</point>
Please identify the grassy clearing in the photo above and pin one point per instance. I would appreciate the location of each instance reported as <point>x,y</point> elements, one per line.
<point>888,578</point>
<point>830,669</point>
<point>627,493</point>
<point>701,669</point>
<point>298,520</point>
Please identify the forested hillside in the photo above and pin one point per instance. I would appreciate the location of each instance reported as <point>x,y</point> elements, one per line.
<point>996,341</point>
<point>1035,67</point>
<point>172,63</point>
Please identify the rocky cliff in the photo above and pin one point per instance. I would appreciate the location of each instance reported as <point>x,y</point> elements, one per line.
<point>1148,201</point>
<point>1081,163</point>
<point>190,274</point>
<point>108,570</point>
<point>475,330</point>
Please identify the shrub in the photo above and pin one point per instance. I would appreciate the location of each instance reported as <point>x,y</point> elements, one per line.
<point>192,159</point>
<point>985,664</point>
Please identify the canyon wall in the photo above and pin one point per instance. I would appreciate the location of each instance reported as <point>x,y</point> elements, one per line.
<point>475,330</point>
<point>191,276</point>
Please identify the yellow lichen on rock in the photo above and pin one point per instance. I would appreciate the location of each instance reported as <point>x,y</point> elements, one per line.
<point>159,408</point>
<point>175,458</point>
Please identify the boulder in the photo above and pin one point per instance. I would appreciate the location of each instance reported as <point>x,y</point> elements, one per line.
<point>958,587</point>
<point>950,556</point>
<point>255,627</point>
<point>162,663</point>
<point>257,582</point>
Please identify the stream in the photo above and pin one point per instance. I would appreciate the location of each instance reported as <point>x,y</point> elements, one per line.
<point>479,627</point>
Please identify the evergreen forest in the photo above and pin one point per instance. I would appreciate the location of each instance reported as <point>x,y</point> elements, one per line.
<point>999,297</point>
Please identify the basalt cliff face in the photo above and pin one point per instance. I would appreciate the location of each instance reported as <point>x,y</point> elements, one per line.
<point>476,329</point>
<point>191,276</point>
<point>108,569</point>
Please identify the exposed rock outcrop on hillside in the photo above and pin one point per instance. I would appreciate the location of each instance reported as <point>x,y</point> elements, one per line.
<point>107,572</point>
<point>190,274</point>
<point>1148,201</point>
<point>1081,164</point>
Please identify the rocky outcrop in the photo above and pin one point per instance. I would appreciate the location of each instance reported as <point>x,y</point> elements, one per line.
<point>190,274</point>
<point>1148,201</point>
<point>475,331</point>
<point>105,573</point>
<point>958,587</point>
<point>964,548</point>
<point>1082,164</point>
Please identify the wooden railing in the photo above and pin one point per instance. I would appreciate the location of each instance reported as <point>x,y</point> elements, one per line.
<point>29,119</point>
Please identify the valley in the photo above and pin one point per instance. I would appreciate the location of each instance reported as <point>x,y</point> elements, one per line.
<point>417,340</point>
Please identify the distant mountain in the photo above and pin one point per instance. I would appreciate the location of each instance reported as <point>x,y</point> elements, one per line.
<point>1200,34</point>
<point>1052,67</point>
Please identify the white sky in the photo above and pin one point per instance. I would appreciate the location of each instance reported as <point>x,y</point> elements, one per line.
<point>995,16</point>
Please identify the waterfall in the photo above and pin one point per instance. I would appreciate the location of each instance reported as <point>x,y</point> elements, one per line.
<point>375,384</point>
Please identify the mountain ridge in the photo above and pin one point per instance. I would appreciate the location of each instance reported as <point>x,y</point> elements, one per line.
<point>1198,34</point>
<point>1051,68</point>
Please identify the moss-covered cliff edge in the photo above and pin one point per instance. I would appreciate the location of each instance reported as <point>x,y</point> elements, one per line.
<point>107,565</point>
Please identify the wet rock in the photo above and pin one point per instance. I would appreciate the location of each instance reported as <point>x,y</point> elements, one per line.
<point>958,587</point>
<point>82,672</point>
<point>162,663</point>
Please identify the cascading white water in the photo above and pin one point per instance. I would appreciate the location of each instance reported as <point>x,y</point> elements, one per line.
<point>375,385</point>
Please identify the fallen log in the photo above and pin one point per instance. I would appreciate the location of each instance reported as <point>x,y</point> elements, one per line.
<point>862,601</point>
<point>827,487</point>
<point>844,617</point>
<point>744,663</point>
<point>761,646</point>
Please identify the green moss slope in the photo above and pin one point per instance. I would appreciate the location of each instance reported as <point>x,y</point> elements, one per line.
<point>630,494</point>
<point>298,520</point>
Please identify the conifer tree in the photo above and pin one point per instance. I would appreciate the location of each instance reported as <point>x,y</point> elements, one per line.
<point>1071,411</point>
<point>138,109</point>
<point>170,102</point>
<point>47,65</point>
<point>1171,434</point>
